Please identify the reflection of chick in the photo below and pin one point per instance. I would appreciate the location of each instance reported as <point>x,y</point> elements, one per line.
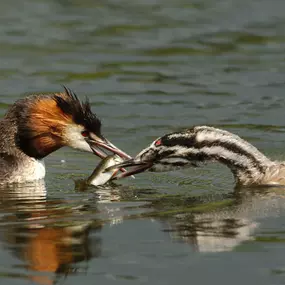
<point>207,233</point>
<point>223,225</point>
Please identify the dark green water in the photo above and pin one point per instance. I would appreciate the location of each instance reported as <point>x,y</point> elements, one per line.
<point>148,67</point>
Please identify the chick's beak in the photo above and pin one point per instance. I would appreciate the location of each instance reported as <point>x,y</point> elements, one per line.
<point>138,167</point>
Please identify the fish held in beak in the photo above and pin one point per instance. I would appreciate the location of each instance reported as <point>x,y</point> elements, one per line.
<point>100,176</point>
<point>100,146</point>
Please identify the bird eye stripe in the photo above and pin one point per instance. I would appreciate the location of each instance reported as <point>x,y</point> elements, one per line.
<point>180,141</point>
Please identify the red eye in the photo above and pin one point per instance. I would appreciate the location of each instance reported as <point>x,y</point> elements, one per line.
<point>85,133</point>
<point>158,142</point>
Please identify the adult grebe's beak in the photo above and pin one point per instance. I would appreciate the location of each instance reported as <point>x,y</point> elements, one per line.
<point>99,147</point>
<point>138,167</point>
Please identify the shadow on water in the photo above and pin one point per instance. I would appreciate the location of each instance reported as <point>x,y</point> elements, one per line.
<point>54,238</point>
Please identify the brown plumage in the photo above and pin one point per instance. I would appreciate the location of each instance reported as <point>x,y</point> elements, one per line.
<point>37,125</point>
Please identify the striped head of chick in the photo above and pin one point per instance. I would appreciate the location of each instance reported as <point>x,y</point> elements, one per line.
<point>197,146</point>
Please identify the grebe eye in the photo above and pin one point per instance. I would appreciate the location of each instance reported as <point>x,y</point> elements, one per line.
<point>85,134</point>
<point>158,142</point>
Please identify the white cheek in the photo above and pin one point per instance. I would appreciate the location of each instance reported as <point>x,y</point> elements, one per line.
<point>75,139</point>
<point>81,145</point>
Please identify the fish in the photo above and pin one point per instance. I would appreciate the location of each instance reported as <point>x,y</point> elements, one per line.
<point>100,176</point>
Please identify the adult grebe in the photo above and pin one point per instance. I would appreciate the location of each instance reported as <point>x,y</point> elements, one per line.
<point>40,124</point>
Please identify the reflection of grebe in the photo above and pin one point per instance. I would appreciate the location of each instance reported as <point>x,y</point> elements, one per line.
<point>227,223</point>
<point>50,236</point>
<point>40,124</point>
<point>201,144</point>
<point>210,232</point>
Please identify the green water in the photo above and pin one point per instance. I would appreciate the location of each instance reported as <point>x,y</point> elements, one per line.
<point>148,68</point>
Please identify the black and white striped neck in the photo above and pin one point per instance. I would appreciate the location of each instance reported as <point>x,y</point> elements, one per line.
<point>202,144</point>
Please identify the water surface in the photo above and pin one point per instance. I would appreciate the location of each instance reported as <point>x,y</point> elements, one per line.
<point>148,68</point>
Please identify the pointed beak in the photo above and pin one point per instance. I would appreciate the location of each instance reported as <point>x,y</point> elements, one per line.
<point>99,146</point>
<point>138,167</point>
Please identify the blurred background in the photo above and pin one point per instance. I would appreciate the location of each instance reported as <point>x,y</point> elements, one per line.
<point>149,67</point>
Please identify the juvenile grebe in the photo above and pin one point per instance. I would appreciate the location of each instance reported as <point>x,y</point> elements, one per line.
<point>39,124</point>
<point>201,144</point>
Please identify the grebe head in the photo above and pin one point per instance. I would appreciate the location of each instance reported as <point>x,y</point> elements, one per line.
<point>46,123</point>
<point>168,152</point>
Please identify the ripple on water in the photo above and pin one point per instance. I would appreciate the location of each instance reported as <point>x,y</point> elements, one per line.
<point>149,68</point>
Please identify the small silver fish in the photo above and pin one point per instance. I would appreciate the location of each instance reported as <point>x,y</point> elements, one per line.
<point>99,176</point>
